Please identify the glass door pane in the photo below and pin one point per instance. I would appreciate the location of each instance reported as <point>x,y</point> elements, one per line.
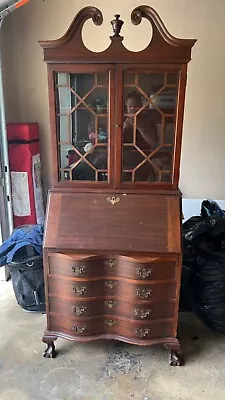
<point>82,125</point>
<point>150,102</point>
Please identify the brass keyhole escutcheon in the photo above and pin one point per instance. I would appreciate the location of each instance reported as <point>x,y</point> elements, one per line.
<point>113,200</point>
<point>110,303</point>
<point>110,284</point>
<point>111,262</point>
<point>110,322</point>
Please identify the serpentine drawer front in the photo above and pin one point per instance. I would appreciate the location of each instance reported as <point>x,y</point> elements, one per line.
<point>111,326</point>
<point>110,306</point>
<point>143,268</point>
<point>122,289</point>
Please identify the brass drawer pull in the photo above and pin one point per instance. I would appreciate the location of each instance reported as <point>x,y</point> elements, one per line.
<point>142,314</point>
<point>144,272</point>
<point>111,263</point>
<point>79,290</point>
<point>142,333</point>
<point>110,322</point>
<point>110,303</point>
<point>79,329</point>
<point>79,310</point>
<point>78,270</point>
<point>110,284</point>
<point>113,200</point>
<point>143,293</point>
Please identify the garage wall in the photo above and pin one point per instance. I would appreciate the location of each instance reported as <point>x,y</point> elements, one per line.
<point>25,79</point>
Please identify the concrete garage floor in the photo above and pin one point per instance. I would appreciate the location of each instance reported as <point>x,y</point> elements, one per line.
<point>104,370</point>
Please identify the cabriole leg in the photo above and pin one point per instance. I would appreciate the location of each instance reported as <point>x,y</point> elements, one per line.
<point>50,350</point>
<point>176,357</point>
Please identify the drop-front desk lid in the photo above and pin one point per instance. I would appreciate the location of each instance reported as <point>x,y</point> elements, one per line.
<point>120,223</point>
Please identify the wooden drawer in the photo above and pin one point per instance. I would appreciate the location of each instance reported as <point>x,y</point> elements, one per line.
<point>138,311</point>
<point>141,268</point>
<point>147,268</point>
<point>79,266</point>
<point>121,289</point>
<point>113,326</point>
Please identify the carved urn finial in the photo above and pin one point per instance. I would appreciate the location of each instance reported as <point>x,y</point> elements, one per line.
<point>117,25</point>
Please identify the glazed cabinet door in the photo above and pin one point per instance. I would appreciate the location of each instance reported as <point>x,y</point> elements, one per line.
<point>81,124</point>
<point>148,127</point>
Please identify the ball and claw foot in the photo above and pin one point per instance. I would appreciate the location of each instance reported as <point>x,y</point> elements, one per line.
<point>176,359</point>
<point>50,351</point>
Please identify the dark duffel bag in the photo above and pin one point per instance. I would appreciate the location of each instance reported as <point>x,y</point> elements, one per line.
<point>28,283</point>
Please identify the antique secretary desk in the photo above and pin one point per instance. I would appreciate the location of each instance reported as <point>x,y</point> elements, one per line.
<point>112,248</point>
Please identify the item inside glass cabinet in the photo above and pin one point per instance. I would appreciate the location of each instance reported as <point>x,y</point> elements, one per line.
<point>149,126</point>
<point>82,125</point>
<point>149,114</point>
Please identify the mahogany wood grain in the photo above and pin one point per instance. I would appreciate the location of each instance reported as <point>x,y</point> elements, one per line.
<point>116,288</point>
<point>53,206</point>
<point>162,48</point>
<point>178,280</point>
<point>143,268</point>
<point>112,250</point>
<point>167,341</point>
<point>68,54</point>
<point>136,330</point>
<point>79,308</point>
<point>136,223</point>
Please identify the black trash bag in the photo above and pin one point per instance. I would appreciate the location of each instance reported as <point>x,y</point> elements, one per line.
<point>210,208</point>
<point>26,266</point>
<point>203,272</point>
<point>191,253</point>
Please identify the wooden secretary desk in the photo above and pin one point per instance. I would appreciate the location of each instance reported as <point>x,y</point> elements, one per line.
<point>112,247</point>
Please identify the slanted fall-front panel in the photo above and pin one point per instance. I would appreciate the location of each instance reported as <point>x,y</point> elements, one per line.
<point>91,222</point>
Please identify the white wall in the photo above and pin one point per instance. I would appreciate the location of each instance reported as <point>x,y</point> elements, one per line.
<point>203,161</point>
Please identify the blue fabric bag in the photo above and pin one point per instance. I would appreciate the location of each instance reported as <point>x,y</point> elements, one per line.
<point>22,253</point>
